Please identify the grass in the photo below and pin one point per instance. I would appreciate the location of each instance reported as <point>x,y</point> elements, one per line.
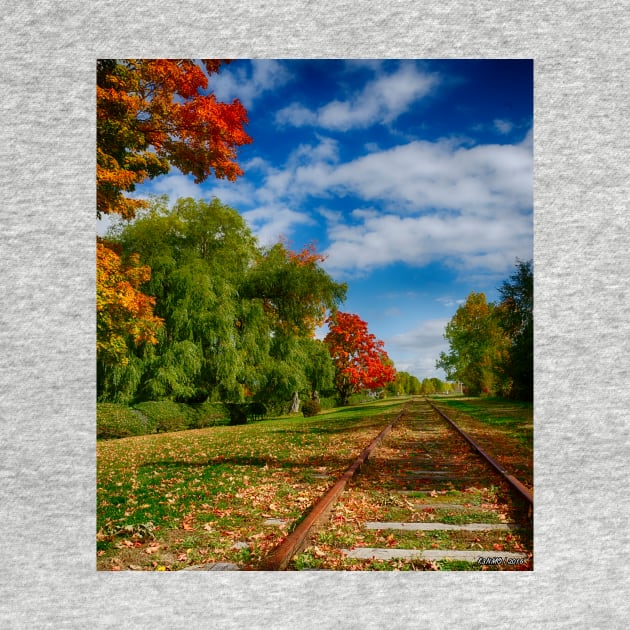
<point>515,418</point>
<point>504,428</point>
<point>419,442</point>
<point>165,501</point>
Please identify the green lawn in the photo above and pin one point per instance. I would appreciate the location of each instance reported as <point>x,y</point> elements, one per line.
<point>513,417</point>
<point>504,428</point>
<point>165,501</point>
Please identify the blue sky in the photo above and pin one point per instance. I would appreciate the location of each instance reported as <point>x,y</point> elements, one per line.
<point>413,177</point>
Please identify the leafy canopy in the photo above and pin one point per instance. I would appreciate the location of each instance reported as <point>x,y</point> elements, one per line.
<point>123,313</point>
<point>152,114</point>
<point>360,359</point>
<point>238,319</point>
<point>492,346</point>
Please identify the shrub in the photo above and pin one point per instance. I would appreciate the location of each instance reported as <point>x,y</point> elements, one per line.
<point>311,408</point>
<point>328,403</point>
<point>166,415</point>
<point>118,421</point>
<point>207,414</point>
<point>237,412</point>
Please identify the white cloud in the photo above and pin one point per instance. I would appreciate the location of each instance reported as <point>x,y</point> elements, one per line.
<point>247,85</point>
<point>423,201</point>
<point>416,350</point>
<point>441,175</point>
<point>270,223</point>
<point>175,186</point>
<point>450,302</point>
<point>427,201</point>
<point>381,101</point>
<point>503,126</point>
<point>466,242</point>
<point>296,115</point>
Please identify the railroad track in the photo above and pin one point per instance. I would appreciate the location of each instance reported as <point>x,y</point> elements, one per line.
<point>422,496</point>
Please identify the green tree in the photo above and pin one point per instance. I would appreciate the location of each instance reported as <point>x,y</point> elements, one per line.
<point>477,345</point>
<point>515,315</point>
<point>237,319</point>
<point>406,383</point>
<point>296,294</point>
<point>428,386</point>
<point>198,253</point>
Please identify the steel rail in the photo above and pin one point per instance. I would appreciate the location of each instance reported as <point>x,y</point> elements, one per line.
<point>279,558</point>
<point>523,490</point>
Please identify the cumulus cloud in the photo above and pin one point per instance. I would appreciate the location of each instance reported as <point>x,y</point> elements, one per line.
<point>417,349</point>
<point>472,205</point>
<point>467,242</point>
<point>175,186</point>
<point>246,84</point>
<point>443,175</point>
<point>381,101</point>
<point>272,222</point>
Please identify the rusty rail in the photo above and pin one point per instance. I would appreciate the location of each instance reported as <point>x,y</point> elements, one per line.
<point>279,558</point>
<point>523,490</point>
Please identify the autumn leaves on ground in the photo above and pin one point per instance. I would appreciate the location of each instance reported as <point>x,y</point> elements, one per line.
<point>173,500</point>
<point>170,500</point>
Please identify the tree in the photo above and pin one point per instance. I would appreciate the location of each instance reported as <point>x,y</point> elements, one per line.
<point>295,290</point>
<point>123,313</point>
<point>406,383</point>
<point>237,319</point>
<point>199,254</point>
<point>295,293</point>
<point>515,315</point>
<point>359,358</point>
<point>477,345</point>
<point>154,113</point>
<point>151,114</point>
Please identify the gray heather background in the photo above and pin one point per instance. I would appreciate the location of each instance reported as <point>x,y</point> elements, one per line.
<point>47,319</point>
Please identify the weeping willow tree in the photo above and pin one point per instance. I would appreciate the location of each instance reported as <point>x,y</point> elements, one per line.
<point>237,320</point>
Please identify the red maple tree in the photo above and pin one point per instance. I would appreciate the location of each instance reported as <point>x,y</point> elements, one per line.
<point>359,358</point>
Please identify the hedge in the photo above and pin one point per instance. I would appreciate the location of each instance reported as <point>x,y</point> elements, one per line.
<point>115,420</point>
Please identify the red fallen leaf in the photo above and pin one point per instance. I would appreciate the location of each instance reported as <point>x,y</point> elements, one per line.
<point>498,547</point>
<point>152,549</point>
<point>182,557</point>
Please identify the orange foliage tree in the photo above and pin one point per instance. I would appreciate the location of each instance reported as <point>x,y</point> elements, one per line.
<point>122,311</point>
<point>359,358</point>
<point>153,113</point>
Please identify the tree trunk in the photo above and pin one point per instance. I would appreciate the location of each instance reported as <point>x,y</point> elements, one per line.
<point>295,403</point>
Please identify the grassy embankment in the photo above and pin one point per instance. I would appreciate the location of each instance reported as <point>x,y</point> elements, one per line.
<point>504,428</point>
<point>169,500</point>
